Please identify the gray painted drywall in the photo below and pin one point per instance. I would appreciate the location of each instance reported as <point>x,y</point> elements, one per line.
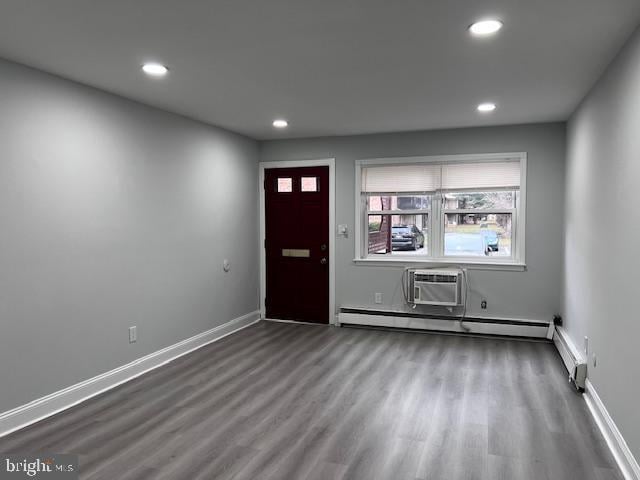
<point>602,236</point>
<point>533,294</point>
<point>113,214</point>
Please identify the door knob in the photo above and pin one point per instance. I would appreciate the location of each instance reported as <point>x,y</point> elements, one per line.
<point>323,261</point>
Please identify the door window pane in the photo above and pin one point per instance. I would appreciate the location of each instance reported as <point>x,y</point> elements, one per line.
<point>478,234</point>
<point>309,184</point>
<point>285,185</point>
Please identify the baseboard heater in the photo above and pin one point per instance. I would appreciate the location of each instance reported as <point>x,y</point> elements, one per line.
<point>443,323</point>
<point>571,357</point>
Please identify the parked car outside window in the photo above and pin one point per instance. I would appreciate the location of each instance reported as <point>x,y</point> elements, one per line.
<point>406,237</point>
<point>465,244</point>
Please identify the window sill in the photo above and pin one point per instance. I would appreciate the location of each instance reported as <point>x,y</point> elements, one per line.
<point>471,264</point>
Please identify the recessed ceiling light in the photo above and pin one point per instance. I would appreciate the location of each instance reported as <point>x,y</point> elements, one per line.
<point>487,107</point>
<point>155,69</point>
<point>280,123</point>
<point>485,27</point>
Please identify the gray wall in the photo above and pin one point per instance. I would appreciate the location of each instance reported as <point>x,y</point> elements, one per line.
<point>113,214</point>
<point>533,294</point>
<point>603,235</point>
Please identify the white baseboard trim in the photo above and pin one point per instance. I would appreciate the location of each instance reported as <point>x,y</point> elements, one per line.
<point>56,402</point>
<point>443,325</point>
<point>616,442</point>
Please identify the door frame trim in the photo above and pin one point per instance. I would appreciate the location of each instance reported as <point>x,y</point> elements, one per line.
<point>322,162</point>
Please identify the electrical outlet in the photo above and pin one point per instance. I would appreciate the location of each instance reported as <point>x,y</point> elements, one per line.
<point>483,304</point>
<point>378,298</point>
<point>133,334</point>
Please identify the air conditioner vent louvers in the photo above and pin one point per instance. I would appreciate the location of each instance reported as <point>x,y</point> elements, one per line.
<point>436,278</point>
<point>435,287</point>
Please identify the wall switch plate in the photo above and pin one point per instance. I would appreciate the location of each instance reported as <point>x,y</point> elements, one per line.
<point>133,334</point>
<point>378,297</point>
<point>595,360</point>
<point>343,230</point>
<point>586,346</point>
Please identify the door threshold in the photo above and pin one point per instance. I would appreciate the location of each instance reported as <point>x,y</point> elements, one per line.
<point>295,322</point>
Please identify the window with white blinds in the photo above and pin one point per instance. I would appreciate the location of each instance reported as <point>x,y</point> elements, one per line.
<point>425,178</point>
<point>481,176</point>
<point>401,178</point>
<point>456,209</point>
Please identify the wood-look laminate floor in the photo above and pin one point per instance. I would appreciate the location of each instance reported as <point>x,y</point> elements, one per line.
<point>283,401</point>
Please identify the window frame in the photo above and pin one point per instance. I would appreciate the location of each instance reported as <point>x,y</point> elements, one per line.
<point>437,215</point>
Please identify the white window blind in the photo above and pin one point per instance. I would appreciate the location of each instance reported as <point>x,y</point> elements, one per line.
<point>449,176</point>
<point>401,178</point>
<point>480,176</point>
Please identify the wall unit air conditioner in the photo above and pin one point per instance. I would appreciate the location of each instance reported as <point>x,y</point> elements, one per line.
<point>435,287</point>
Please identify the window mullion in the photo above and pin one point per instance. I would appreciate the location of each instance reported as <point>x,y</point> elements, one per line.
<point>436,226</point>
<point>398,212</point>
<point>364,228</point>
<point>487,211</point>
<point>515,254</point>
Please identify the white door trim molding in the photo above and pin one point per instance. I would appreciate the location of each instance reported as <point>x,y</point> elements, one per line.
<point>324,162</point>
<point>56,402</point>
<point>616,442</point>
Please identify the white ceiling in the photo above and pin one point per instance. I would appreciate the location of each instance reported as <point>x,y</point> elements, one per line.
<point>331,67</point>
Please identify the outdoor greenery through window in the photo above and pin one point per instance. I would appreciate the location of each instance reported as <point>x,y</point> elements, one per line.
<point>443,210</point>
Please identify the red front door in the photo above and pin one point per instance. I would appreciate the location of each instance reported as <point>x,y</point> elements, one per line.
<point>297,243</point>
